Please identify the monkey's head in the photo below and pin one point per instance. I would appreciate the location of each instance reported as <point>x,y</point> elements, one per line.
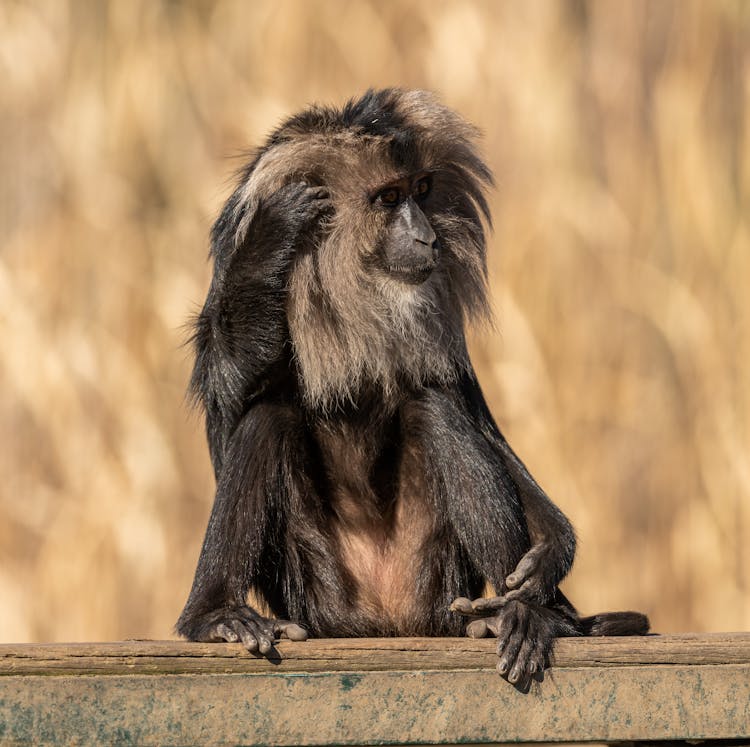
<point>382,295</point>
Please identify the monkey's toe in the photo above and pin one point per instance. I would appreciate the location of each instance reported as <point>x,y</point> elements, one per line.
<point>477,629</point>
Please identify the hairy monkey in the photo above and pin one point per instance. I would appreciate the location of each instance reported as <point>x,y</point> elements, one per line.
<point>363,487</point>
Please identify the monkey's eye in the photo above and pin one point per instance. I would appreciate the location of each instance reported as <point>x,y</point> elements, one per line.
<point>422,187</point>
<point>390,197</point>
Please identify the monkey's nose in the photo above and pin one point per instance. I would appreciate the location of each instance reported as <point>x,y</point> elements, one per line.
<point>425,235</point>
<point>427,248</point>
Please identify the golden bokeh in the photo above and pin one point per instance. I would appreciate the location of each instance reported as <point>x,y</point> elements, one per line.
<point>619,367</point>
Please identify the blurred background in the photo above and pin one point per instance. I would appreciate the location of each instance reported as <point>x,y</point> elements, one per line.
<point>619,367</point>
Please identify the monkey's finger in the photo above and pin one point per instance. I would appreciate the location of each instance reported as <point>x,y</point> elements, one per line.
<point>506,625</point>
<point>529,591</point>
<point>290,630</point>
<point>477,629</point>
<point>320,196</point>
<point>317,193</point>
<point>509,652</point>
<point>463,606</point>
<point>265,638</point>
<point>223,632</point>
<point>521,669</point>
<point>526,566</point>
<point>488,604</point>
<point>257,631</point>
<point>538,658</point>
<point>249,641</point>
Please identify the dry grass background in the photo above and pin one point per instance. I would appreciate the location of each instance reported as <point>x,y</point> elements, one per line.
<point>620,269</point>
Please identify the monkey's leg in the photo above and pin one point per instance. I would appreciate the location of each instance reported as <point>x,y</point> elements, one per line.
<point>244,539</point>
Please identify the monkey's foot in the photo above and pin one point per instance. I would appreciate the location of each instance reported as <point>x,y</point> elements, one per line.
<point>233,624</point>
<point>525,634</point>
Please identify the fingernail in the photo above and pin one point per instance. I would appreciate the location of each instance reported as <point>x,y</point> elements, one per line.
<point>502,667</point>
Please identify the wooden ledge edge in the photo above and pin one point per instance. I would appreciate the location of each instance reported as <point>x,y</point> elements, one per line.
<point>361,654</point>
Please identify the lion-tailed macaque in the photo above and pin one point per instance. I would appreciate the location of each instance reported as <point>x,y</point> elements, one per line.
<point>363,487</point>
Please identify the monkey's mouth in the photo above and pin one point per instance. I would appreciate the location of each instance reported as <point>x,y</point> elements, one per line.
<point>412,274</point>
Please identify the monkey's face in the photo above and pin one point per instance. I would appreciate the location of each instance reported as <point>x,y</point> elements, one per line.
<point>381,285</point>
<point>408,249</point>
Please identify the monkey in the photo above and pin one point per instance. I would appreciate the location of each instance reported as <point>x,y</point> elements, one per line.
<point>363,488</point>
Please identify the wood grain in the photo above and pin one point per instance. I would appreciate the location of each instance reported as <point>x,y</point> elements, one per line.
<point>360,654</point>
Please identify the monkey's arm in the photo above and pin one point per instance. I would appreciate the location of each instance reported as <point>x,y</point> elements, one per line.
<point>241,332</point>
<point>470,485</point>
<point>245,534</point>
<point>550,557</point>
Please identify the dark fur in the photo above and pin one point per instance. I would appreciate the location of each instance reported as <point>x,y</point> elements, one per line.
<point>362,483</point>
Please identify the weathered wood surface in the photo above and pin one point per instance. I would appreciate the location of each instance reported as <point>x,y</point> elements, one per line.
<point>360,654</point>
<point>361,691</point>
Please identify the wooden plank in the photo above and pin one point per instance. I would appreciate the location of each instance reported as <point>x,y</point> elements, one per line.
<point>373,691</point>
<point>360,654</point>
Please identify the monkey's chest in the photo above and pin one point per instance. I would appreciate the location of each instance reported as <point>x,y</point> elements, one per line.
<point>382,561</point>
<point>380,524</point>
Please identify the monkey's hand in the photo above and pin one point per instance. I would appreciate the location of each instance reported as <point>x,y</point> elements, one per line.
<point>525,634</point>
<point>536,576</point>
<point>233,624</point>
<point>529,583</point>
<point>292,216</point>
<point>282,224</point>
